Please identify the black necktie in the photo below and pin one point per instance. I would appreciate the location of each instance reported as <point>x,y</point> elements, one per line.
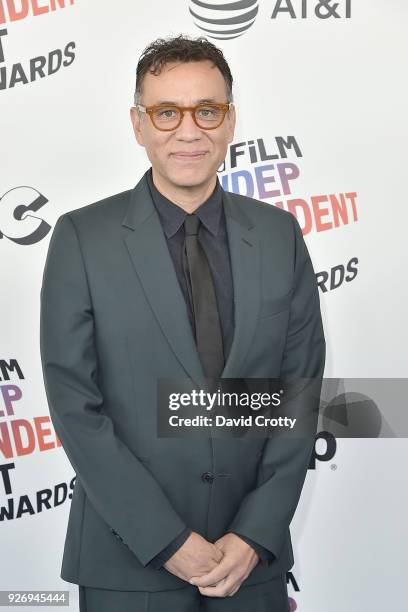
<point>203,300</point>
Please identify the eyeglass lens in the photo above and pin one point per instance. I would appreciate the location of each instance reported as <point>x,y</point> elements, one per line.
<point>205,116</point>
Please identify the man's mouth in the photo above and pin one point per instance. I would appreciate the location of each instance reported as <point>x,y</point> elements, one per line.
<point>195,155</point>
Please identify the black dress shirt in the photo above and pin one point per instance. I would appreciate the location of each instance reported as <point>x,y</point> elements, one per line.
<point>213,238</point>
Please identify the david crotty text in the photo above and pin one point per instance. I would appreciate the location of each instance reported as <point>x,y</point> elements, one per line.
<point>221,421</point>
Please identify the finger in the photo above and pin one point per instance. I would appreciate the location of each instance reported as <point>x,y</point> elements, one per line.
<point>217,555</point>
<point>223,589</point>
<point>233,592</point>
<point>220,584</point>
<point>219,572</point>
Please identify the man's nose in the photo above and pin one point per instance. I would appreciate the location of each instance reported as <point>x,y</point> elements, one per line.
<point>188,127</point>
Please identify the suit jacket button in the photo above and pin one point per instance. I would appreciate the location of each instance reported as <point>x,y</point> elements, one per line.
<point>207,477</point>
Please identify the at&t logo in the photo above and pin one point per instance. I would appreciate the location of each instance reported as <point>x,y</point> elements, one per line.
<point>223,19</point>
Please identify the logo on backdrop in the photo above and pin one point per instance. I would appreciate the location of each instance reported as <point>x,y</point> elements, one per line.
<point>226,19</point>
<point>324,449</point>
<point>327,280</point>
<point>271,171</point>
<point>322,9</point>
<point>19,221</point>
<point>35,68</point>
<point>223,20</point>
<point>21,437</point>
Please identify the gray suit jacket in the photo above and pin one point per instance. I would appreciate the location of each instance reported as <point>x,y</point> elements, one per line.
<point>113,321</point>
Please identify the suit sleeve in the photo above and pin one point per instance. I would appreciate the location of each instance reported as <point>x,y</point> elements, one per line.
<point>265,556</point>
<point>116,483</point>
<point>267,511</point>
<point>159,560</point>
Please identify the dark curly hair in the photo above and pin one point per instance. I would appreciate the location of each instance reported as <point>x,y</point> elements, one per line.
<point>180,48</point>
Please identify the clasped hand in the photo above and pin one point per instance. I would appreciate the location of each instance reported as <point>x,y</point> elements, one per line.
<point>218,569</point>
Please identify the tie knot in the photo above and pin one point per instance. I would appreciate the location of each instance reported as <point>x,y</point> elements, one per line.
<point>191,224</point>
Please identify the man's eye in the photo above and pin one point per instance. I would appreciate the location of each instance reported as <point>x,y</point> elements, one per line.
<point>166,113</point>
<point>207,112</point>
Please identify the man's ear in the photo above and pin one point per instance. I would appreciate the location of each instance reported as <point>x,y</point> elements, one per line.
<point>136,120</point>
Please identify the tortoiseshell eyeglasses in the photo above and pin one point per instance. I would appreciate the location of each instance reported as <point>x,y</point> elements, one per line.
<point>167,117</point>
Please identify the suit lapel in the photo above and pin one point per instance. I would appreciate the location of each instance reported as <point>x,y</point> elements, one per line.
<point>153,265</point>
<point>246,273</point>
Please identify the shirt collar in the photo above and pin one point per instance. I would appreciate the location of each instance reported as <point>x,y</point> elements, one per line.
<point>172,215</point>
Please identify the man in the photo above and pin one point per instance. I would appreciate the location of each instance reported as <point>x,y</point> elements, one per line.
<point>176,279</point>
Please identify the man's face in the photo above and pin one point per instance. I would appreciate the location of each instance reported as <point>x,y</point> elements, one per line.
<point>184,84</point>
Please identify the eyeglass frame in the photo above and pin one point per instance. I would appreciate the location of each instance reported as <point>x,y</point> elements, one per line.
<point>149,110</point>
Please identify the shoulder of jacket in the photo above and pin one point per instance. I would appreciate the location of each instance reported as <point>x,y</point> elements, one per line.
<point>105,210</point>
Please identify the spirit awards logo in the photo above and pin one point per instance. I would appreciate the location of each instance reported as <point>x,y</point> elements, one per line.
<point>22,436</point>
<point>16,71</point>
<point>223,19</point>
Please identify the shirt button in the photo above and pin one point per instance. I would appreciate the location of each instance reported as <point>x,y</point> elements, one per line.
<point>207,477</point>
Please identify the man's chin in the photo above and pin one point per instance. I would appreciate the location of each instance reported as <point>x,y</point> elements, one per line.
<point>190,178</point>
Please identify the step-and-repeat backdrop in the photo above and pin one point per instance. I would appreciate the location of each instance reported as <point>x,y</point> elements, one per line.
<point>321,132</point>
